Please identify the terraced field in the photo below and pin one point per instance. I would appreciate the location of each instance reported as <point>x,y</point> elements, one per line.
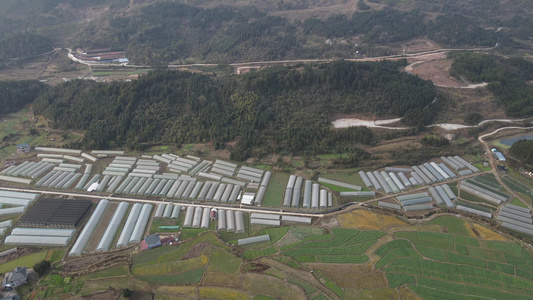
<point>456,265</point>
<point>447,257</point>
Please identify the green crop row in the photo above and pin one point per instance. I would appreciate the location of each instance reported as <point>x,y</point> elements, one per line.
<point>397,279</point>
<point>518,188</point>
<point>328,283</point>
<point>488,177</point>
<point>395,244</point>
<point>339,250</point>
<point>429,239</point>
<point>457,272</point>
<point>397,253</point>
<point>342,259</point>
<point>57,255</point>
<point>190,277</point>
<point>364,236</point>
<point>473,206</point>
<point>309,289</point>
<point>252,254</point>
<point>454,225</point>
<point>467,241</point>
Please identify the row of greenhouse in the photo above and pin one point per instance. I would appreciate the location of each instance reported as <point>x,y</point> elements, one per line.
<point>516,218</point>
<point>396,180</point>
<point>40,236</point>
<point>483,192</point>
<point>312,195</point>
<point>250,174</point>
<point>275,220</point>
<point>18,202</point>
<point>132,232</point>
<point>200,217</point>
<point>4,225</point>
<point>441,194</point>
<point>260,195</point>
<point>142,176</point>
<point>167,211</point>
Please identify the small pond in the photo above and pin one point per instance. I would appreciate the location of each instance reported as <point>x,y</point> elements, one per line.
<point>511,141</point>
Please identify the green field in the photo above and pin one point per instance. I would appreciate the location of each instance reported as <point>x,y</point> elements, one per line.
<point>517,202</point>
<point>519,187</point>
<point>345,246</point>
<point>275,190</point>
<point>456,265</point>
<point>348,177</point>
<point>189,277</point>
<point>473,198</point>
<point>454,225</point>
<point>27,261</point>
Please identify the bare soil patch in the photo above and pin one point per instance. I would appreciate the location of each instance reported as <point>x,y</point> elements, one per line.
<point>81,263</point>
<point>417,46</point>
<point>437,70</point>
<point>462,101</point>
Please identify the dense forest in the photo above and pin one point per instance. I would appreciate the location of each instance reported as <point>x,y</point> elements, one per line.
<point>523,151</point>
<point>272,110</point>
<point>16,94</point>
<point>507,77</point>
<point>158,32</point>
<point>24,44</point>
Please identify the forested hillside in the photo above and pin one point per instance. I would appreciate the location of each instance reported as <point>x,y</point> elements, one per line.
<point>523,151</point>
<point>158,32</point>
<point>507,77</point>
<point>16,94</point>
<point>276,109</point>
<point>24,44</point>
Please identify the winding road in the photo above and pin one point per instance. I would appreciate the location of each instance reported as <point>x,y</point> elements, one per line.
<point>350,122</point>
<point>492,161</point>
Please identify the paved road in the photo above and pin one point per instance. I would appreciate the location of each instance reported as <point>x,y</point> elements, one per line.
<point>288,61</point>
<point>182,203</point>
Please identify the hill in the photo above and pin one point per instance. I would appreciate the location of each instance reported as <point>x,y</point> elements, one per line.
<point>281,108</point>
<point>158,32</point>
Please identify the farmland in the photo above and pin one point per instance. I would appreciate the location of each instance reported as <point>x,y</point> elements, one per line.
<point>459,265</point>
<point>370,254</point>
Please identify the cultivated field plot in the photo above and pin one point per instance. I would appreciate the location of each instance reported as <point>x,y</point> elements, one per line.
<point>519,187</point>
<point>455,265</point>
<point>345,246</point>
<point>276,188</point>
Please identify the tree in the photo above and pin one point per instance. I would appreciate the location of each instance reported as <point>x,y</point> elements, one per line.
<point>42,267</point>
<point>126,293</point>
<point>361,5</point>
<point>473,118</point>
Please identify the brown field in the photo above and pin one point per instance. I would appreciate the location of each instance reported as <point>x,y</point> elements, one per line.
<point>267,285</point>
<point>222,279</point>
<point>213,292</point>
<point>353,276</point>
<point>368,220</point>
<point>487,234</point>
